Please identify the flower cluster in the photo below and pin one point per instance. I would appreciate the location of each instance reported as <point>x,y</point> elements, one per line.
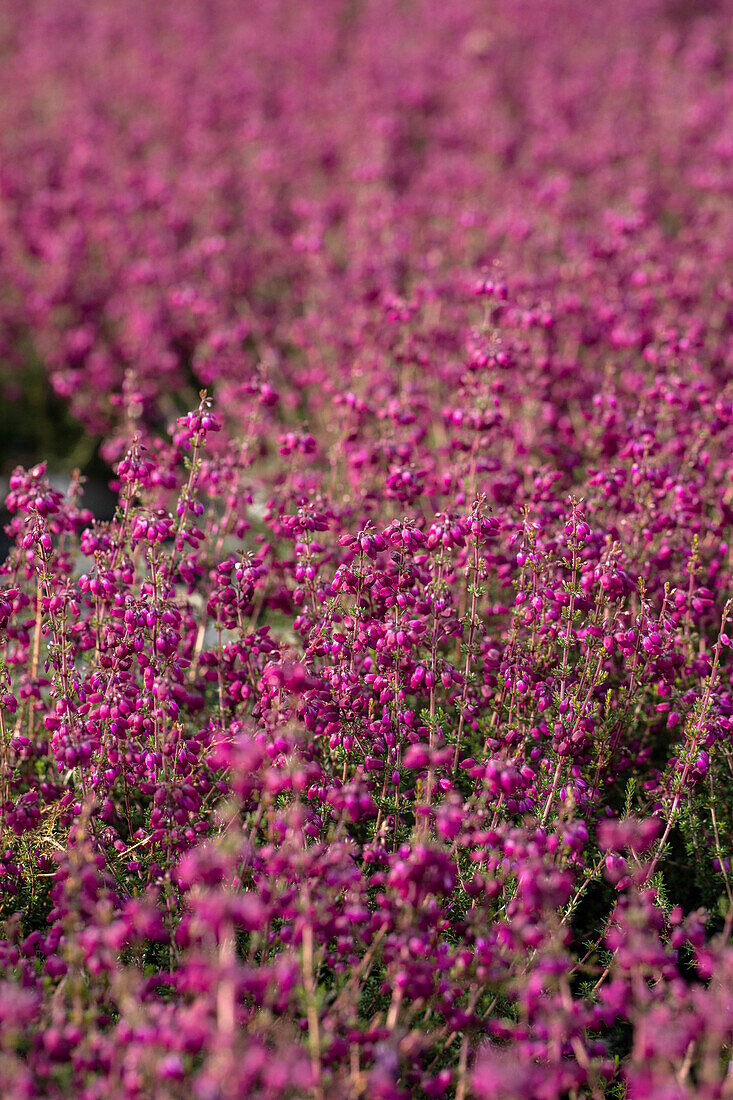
<point>381,743</point>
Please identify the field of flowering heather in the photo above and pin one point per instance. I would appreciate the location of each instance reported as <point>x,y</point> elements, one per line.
<point>380,746</point>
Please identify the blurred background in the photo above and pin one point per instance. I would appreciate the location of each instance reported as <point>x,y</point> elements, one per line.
<point>224,194</point>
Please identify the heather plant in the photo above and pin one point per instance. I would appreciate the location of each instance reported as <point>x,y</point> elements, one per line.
<point>379,745</point>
